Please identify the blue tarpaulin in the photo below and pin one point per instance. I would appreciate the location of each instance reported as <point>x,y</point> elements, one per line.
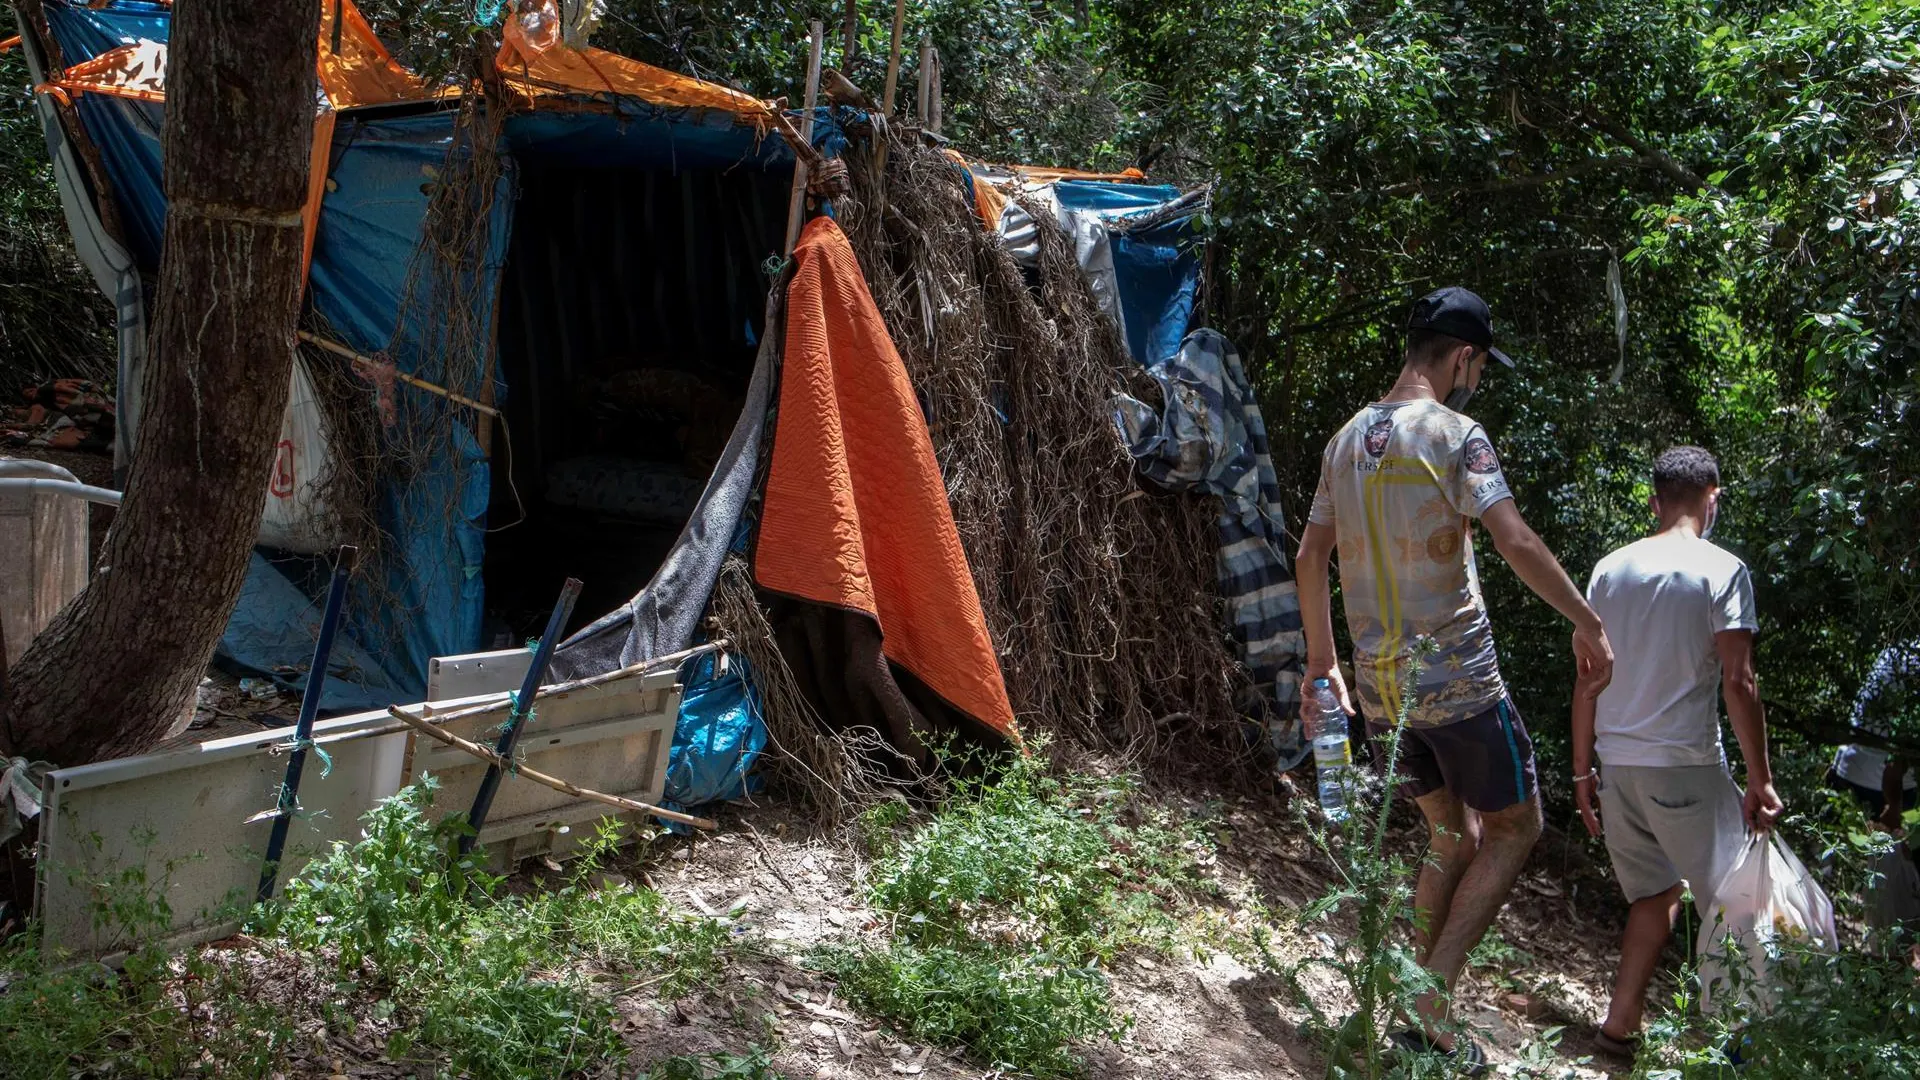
<point>719,736</point>
<point>86,32</point>
<point>1157,269</point>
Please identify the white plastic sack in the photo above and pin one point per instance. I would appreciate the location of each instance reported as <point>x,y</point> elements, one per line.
<point>1764,902</point>
<point>297,517</point>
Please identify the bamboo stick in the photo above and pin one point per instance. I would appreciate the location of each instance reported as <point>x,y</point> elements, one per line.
<point>538,777</point>
<point>797,203</point>
<point>338,349</point>
<point>847,50</point>
<point>925,99</point>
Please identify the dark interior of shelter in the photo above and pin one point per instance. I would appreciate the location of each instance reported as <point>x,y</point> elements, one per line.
<point>630,312</point>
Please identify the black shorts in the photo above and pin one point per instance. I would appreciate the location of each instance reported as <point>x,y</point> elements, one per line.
<point>1486,761</point>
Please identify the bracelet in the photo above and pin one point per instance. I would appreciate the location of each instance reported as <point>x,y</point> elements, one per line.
<point>1590,774</point>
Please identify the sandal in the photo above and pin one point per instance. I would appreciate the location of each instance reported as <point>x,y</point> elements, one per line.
<point>1467,1057</point>
<point>1625,1050</point>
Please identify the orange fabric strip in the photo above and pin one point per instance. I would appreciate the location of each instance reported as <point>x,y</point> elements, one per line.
<point>317,166</point>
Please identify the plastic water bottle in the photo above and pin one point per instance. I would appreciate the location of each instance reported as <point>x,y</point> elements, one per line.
<point>1332,755</point>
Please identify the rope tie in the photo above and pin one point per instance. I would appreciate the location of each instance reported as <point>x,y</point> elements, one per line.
<point>314,748</point>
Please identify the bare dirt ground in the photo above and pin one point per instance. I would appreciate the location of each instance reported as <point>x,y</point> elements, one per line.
<point>1207,1018</point>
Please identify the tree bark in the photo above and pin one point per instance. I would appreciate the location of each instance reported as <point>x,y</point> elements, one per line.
<point>117,670</point>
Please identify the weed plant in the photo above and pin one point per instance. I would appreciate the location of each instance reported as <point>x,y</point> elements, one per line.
<point>490,983</point>
<point>157,1016</point>
<point>1378,967</point>
<point>756,1064</point>
<point>397,928</point>
<point>1003,906</point>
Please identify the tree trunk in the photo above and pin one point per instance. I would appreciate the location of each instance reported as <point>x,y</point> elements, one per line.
<point>116,672</point>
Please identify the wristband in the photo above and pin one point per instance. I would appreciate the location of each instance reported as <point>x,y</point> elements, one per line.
<point>1590,774</point>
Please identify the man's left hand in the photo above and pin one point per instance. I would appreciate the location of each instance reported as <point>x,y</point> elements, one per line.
<point>1763,805</point>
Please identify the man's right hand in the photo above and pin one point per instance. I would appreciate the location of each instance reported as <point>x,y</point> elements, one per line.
<point>1593,660</point>
<point>1583,798</point>
<point>1330,671</point>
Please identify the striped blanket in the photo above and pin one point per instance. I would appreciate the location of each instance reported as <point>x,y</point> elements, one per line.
<point>1211,438</point>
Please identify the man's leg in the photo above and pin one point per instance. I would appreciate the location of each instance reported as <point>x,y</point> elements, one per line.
<point>1488,764</point>
<point>1506,837</point>
<point>1649,925</point>
<point>1453,838</point>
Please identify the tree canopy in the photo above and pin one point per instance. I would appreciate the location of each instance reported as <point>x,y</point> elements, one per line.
<point>1695,221</point>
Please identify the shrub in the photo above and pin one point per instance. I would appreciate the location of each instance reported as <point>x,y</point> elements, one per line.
<point>1002,906</point>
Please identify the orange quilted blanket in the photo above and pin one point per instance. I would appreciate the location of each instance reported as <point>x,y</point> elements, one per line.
<point>856,514</point>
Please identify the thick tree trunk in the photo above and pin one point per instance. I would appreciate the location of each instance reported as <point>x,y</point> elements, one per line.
<point>116,672</point>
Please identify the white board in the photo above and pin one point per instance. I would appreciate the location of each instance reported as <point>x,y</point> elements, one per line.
<point>175,823</point>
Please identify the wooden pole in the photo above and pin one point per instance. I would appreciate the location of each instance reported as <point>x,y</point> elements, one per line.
<point>926,78</point>
<point>933,108</point>
<point>797,203</point>
<point>338,349</point>
<point>847,53</point>
<point>893,63</point>
<point>538,777</point>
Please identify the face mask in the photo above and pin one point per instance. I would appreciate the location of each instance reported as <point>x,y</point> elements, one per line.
<point>1458,397</point>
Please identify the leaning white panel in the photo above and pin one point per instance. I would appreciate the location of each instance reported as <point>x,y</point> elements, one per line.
<point>176,824</point>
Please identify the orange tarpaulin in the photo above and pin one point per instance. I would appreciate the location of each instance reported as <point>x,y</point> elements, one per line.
<point>137,71</point>
<point>537,62</point>
<point>855,513</point>
<point>988,201</point>
<point>360,73</point>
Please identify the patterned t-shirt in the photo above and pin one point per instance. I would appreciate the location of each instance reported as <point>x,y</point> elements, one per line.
<point>1397,484</point>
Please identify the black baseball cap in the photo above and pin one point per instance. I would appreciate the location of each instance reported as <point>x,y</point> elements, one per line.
<point>1457,313</point>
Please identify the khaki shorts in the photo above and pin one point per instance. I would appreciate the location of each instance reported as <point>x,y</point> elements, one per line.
<point>1667,824</point>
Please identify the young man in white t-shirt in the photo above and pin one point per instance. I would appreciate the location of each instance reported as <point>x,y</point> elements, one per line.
<point>1682,615</point>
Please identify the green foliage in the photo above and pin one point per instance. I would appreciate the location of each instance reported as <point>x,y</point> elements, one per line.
<point>158,1016</point>
<point>1833,1014</point>
<point>1020,1009</point>
<point>879,825</point>
<point>1004,905</point>
<point>491,982</point>
<point>53,321</point>
<point>1499,960</point>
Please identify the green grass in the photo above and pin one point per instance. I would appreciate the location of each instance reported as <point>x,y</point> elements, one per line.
<point>396,928</point>
<point>1002,907</point>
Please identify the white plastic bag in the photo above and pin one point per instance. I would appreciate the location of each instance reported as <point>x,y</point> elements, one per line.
<point>297,516</point>
<point>1765,902</point>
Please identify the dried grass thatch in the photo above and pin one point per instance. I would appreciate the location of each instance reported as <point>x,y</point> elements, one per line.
<point>1101,597</point>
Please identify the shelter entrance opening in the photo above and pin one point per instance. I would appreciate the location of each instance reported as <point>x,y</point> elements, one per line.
<point>630,310</point>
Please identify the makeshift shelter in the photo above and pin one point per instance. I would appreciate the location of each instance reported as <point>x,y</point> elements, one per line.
<point>550,332</point>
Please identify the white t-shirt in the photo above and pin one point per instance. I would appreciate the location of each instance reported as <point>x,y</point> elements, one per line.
<point>1663,599</point>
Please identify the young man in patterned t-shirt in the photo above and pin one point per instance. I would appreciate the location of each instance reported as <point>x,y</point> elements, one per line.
<point>1398,487</point>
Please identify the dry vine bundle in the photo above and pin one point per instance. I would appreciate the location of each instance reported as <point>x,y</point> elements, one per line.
<point>1101,597</point>
<point>836,773</point>
<point>391,439</point>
